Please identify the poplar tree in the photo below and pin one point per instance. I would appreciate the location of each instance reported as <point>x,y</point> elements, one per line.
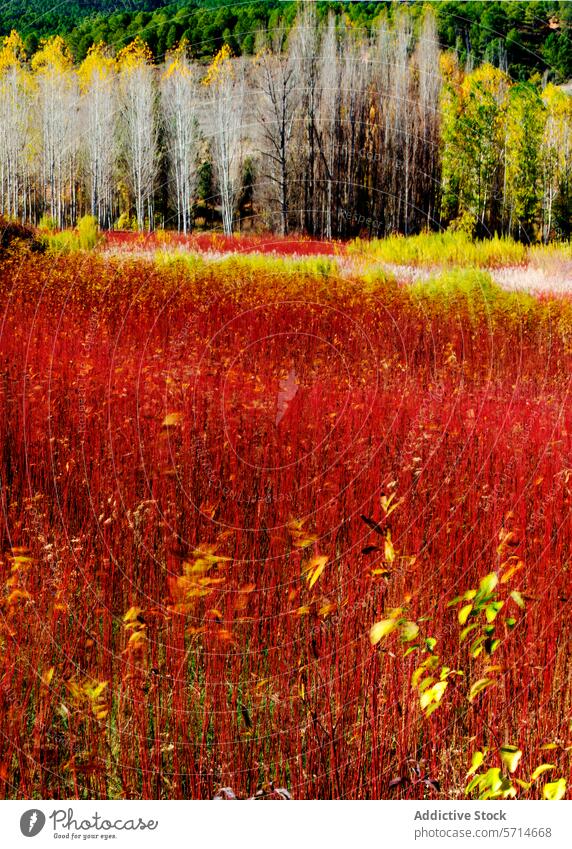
<point>224,89</point>
<point>180,107</point>
<point>15,129</point>
<point>98,84</point>
<point>277,98</point>
<point>138,97</point>
<point>57,103</point>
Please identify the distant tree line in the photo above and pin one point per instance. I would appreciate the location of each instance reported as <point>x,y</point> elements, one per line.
<point>519,36</point>
<point>328,129</point>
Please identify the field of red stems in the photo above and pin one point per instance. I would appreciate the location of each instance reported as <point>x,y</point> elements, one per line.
<point>265,243</point>
<point>281,533</point>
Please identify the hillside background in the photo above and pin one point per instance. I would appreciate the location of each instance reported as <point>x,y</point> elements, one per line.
<point>522,38</point>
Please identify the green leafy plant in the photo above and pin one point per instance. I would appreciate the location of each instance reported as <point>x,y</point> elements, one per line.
<point>48,223</point>
<point>499,782</point>
<point>88,232</point>
<point>479,615</point>
<point>431,677</point>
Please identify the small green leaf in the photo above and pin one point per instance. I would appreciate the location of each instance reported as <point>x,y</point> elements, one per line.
<point>466,631</point>
<point>488,584</point>
<point>517,598</point>
<point>476,761</point>
<point>477,646</point>
<point>473,784</point>
<point>492,610</point>
<point>492,779</point>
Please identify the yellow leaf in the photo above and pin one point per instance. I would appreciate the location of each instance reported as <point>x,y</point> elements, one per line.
<point>513,565</point>
<point>386,501</point>
<point>510,756</point>
<point>134,55</point>
<point>476,761</point>
<point>555,790</point>
<point>47,676</point>
<point>464,613</point>
<point>172,420</point>
<point>488,584</point>
<point>315,569</point>
<point>386,504</point>
<point>21,560</point>
<point>540,769</point>
<point>381,629</point>
<point>479,686</point>
<point>132,614</point>
<point>409,630</point>
<point>96,691</point>
<point>388,549</point>
<point>305,541</point>
<point>433,695</point>
<point>18,595</point>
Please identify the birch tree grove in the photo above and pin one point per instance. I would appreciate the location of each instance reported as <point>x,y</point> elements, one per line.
<point>305,47</point>
<point>225,85</point>
<point>98,82</point>
<point>425,128</point>
<point>138,96</point>
<point>15,129</point>
<point>57,103</point>
<point>180,107</point>
<point>341,131</point>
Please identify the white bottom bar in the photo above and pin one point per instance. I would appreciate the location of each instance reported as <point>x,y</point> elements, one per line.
<point>273,824</point>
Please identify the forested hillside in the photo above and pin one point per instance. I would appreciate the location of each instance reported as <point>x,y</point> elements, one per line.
<point>331,130</point>
<point>520,37</point>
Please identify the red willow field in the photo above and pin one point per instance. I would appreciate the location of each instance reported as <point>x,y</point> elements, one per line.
<point>239,502</point>
<point>119,240</point>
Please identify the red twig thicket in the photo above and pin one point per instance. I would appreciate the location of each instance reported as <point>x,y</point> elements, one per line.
<point>187,582</point>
